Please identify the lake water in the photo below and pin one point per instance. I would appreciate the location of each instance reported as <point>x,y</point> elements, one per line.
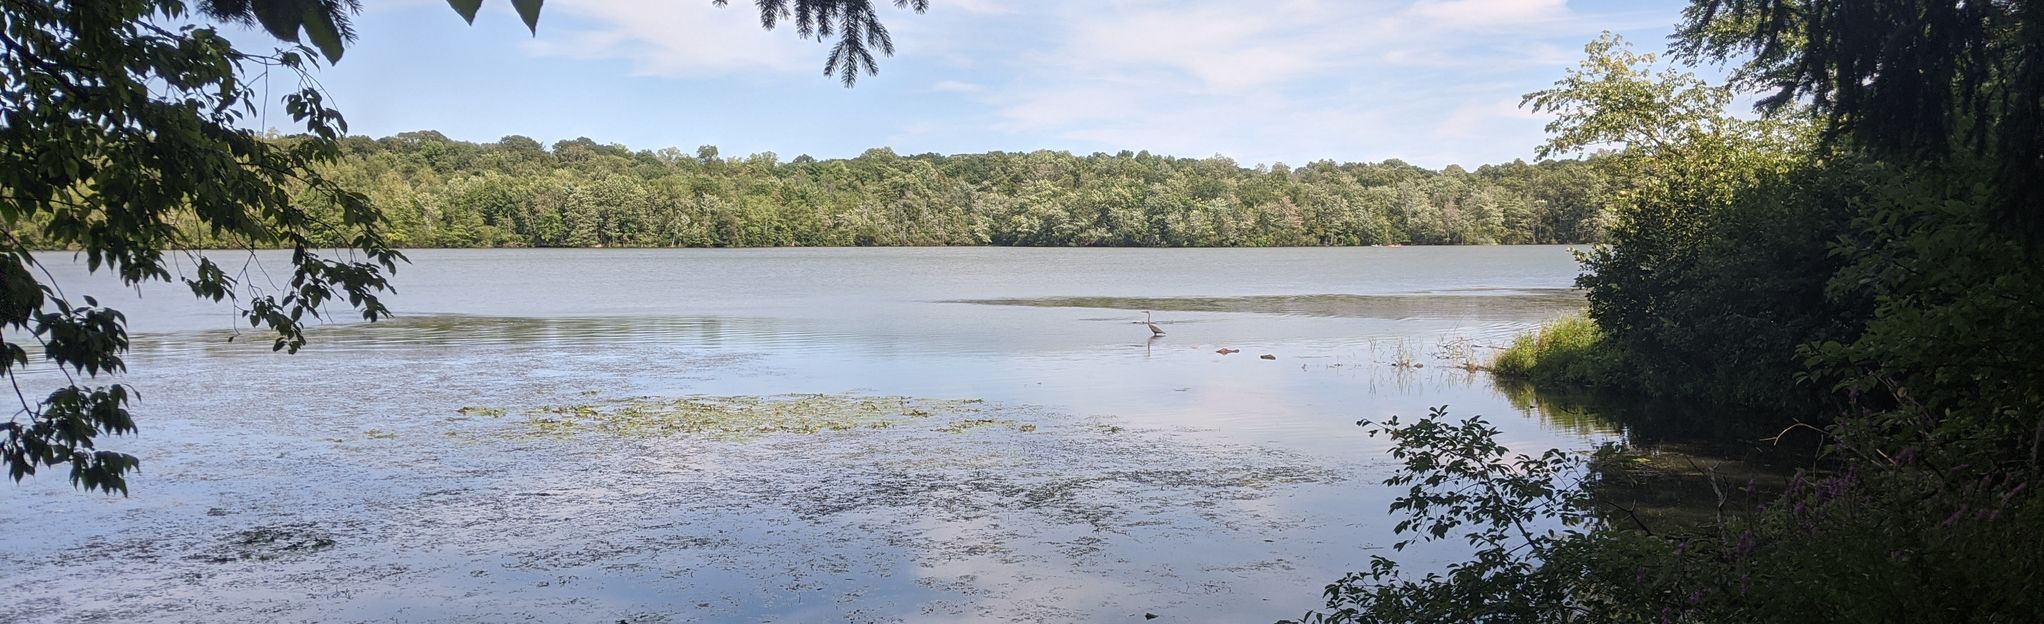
<point>973,434</point>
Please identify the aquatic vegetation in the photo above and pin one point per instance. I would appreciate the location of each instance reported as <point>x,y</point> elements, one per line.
<point>743,417</point>
<point>1568,351</point>
<point>1404,356</point>
<point>1436,304</point>
<point>1461,351</point>
<point>379,434</point>
<point>487,412</point>
<point>268,542</point>
<point>962,426</point>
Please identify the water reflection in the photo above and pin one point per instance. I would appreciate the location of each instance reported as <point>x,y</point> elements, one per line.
<point>1746,436</point>
<point>1685,467</point>
<point>1162,476</point>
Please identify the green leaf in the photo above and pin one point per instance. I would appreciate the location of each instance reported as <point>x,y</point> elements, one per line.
<point>528,10</point>
<point>283,17</point>
<point>467,8</point>
<point>320,28</point>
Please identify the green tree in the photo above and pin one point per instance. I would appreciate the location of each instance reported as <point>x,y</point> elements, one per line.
<point>1914,80</point>
<point>1715,267</point>
<point>115,132</point>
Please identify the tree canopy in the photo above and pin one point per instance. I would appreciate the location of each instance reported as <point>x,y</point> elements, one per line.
<point>1906,79</point>
<point>115,130</point>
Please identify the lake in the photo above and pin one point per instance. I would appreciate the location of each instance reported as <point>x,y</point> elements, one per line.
<point>868,435</point>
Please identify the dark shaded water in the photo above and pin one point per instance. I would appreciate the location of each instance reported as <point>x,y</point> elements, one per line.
<point>348,482</point>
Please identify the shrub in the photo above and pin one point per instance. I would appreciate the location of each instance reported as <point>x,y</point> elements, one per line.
<point>1568,351</point>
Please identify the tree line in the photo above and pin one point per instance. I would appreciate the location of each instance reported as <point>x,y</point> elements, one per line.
<point>439,192</point>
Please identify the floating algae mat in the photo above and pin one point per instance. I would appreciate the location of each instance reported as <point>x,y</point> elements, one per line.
<point>1440,304</point>
<point>742,417</point>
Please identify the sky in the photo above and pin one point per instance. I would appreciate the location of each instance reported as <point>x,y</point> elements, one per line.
<point>1430,82</point>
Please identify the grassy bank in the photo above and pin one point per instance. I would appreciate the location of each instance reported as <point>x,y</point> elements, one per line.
<point>1570,351</point>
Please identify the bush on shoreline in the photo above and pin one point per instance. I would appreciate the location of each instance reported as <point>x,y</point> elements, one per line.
<point>1570,351</point>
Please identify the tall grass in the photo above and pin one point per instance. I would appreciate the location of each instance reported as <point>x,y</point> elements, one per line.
<point>1568,351</point>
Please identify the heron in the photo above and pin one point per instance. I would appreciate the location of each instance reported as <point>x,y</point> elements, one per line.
<point>1154,329</point>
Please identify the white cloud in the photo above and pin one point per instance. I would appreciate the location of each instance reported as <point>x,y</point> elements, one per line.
<point>1040,108</point>
<point>1474,119</point>
<point>670,38</point>
<point>1295,80</point>
<point>1459,13</point>
<point>1225,46</point>
<point>1428,81</point>
<point>989,7</point>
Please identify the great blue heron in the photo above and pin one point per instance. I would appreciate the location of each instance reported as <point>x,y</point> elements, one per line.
<point>1154,329</point>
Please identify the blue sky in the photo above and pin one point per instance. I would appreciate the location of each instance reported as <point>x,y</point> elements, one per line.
<point>1432,82</point>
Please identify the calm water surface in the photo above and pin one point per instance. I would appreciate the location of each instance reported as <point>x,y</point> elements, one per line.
<point>1153,476</point>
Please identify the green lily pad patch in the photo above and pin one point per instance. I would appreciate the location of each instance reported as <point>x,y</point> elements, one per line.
<point>743,417</point>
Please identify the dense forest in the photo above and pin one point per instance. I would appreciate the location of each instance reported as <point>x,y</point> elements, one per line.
<point>438,192</point>
<point>1864,261</point>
